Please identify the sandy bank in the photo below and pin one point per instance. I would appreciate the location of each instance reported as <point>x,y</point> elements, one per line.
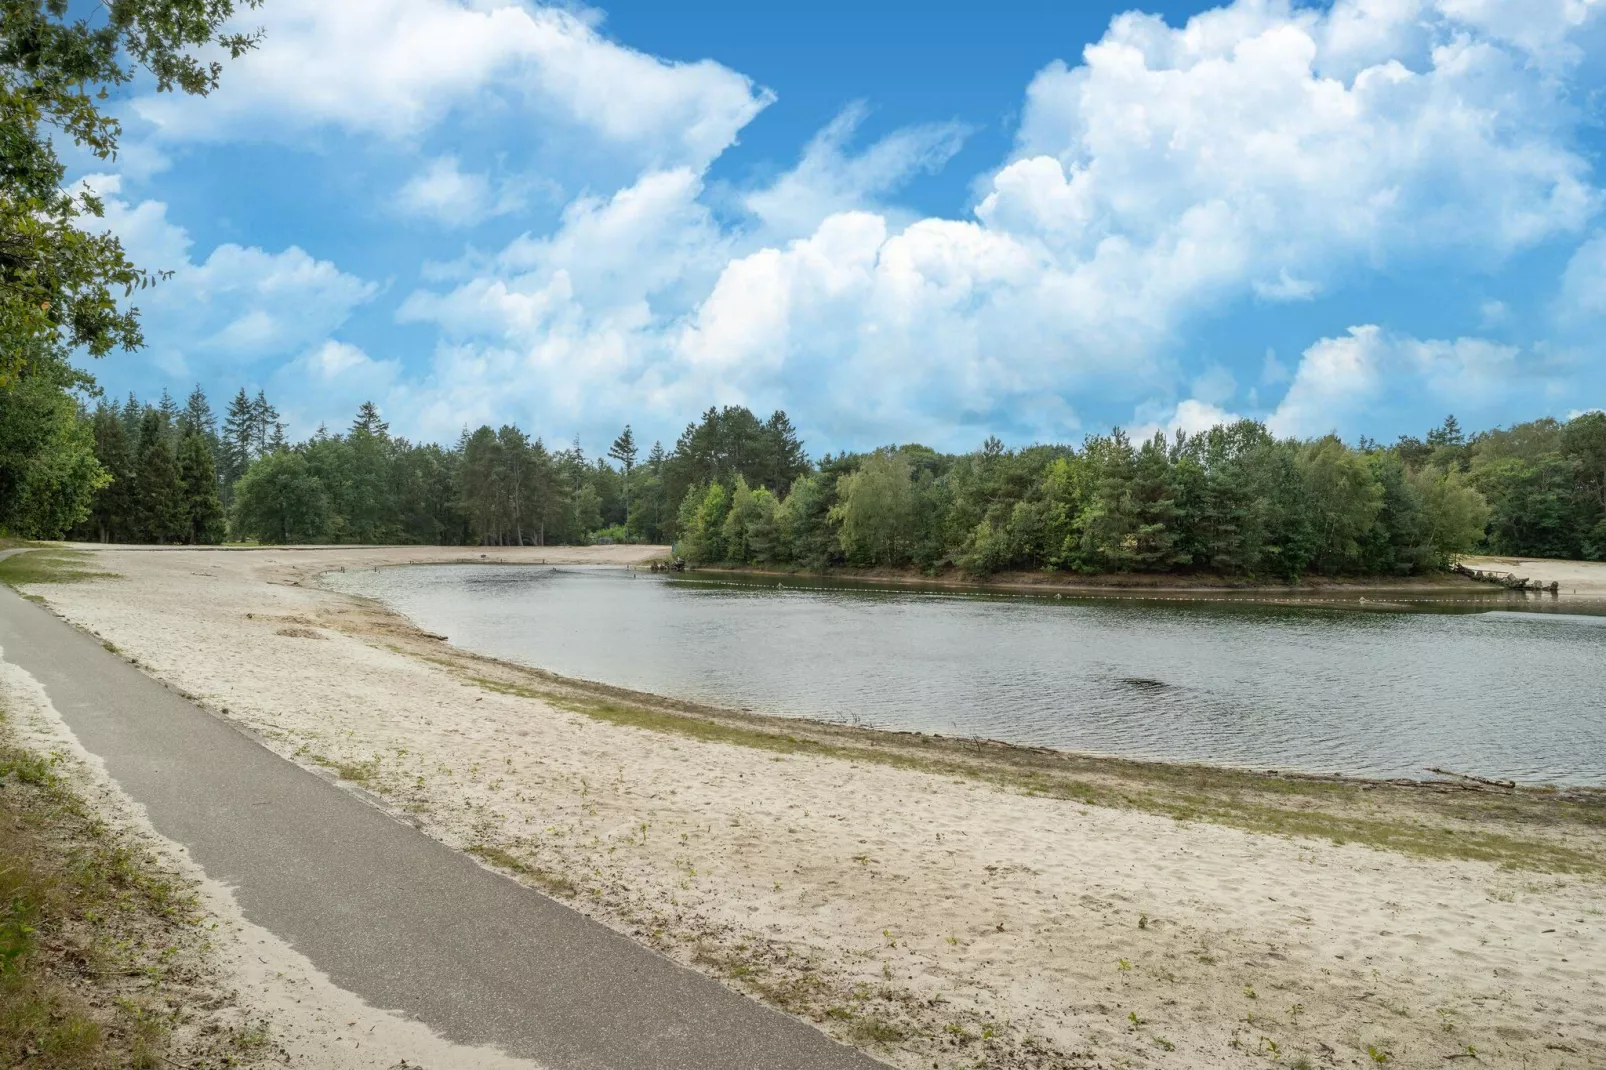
<point>1586,579</point>
<point>936,914</point>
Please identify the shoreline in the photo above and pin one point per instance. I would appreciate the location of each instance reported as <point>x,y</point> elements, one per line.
<point>1025,755</point>
<point>931,900</point>
<point>1158,587</point>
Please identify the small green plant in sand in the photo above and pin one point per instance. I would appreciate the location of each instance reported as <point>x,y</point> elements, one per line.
<point>1378,1054</point>
<point>554,884</point>
<point>870,1029</point>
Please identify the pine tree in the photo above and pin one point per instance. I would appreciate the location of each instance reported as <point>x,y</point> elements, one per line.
<point>235,449</point>
<point>158,490</point>
<point>1447,434</point>
<point>784,458</point>
<point>170,412</point>
<point>623,450</point>
<point>368,421</point>
<point>367,495</point>
<point>264,422</point>
<point>131,414</point>
<point>198,414</point>
<point>203,511</point>
<point>112,513</point>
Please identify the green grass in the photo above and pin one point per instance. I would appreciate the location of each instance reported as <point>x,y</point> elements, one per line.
<point>871,1029</point>
<point>555,884</point>
<point>74,898</point>
<point>1512,830</point>
<point>49,566</point>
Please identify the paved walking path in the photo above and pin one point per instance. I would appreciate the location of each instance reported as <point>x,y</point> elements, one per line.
<point>388,913</point>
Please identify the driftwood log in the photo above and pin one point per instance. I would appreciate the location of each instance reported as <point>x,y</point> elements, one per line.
<point>1509,580</point>
<point>1475,779</point>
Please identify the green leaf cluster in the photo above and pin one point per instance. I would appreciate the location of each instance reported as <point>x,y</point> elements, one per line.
<point>62,284</point>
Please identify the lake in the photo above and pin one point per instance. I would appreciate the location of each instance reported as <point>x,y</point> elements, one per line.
<point>1474,684</point>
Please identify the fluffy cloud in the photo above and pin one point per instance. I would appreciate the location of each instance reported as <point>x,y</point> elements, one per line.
<point>1261,153</point>
<point>444,193</point>
<point>239,305</point>
<point>1542,28</point>
<point>830,178</point>
<point>326,384</point>
<point>1175,171</point>
<point>396,68</point>
<point>1190,417</point>
<point>1226,152</point>
<point>1583,285</point>
<point>1368,372</point>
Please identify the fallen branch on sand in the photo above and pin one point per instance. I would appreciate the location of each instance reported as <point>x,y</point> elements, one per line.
<point>1511,784</point>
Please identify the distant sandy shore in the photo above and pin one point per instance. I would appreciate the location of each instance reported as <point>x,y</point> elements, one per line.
<point>1585,579</point>
<point>933,912</point>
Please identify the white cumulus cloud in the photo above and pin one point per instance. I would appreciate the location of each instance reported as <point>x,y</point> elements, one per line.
<point>831,178</point>
<point>239,305</point>
<point>1261,151</point>
<point>396,68</point>
<point>1342,380</point>
<point>445,193</point>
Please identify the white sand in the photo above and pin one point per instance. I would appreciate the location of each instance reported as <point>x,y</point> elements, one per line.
<point>949,909</point>
<point>1583,578</point>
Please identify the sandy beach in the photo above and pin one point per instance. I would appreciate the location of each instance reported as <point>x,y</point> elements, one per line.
<point>1586,579</point>
<point>934,919</point>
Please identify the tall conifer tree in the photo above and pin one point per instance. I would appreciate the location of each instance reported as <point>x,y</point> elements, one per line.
<point>203,511</point>
<point>111,517</point>
<point>158,490</point>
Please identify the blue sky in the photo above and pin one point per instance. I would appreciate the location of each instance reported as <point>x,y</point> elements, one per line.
<point>899,223</point>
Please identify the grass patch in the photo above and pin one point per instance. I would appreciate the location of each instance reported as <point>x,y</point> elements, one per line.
<point>49,566</point>
<point>554,884</point>
<point>363,772</point>
<point>870,1029</point>
<point>1527,830</point>
<point>84,919</point>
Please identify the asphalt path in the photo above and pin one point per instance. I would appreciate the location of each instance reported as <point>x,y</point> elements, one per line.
<point>389,914</point>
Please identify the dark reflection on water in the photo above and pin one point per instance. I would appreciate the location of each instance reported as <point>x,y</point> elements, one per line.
<point>1470,686</point>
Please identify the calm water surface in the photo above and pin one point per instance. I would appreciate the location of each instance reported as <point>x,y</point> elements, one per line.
<point>1483,689</point>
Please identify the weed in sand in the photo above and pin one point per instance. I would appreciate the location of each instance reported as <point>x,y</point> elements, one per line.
<point>870,1029</point>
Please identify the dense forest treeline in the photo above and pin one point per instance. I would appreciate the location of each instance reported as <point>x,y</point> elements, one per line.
<point>1234,500</point>
<point>738,490</point>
